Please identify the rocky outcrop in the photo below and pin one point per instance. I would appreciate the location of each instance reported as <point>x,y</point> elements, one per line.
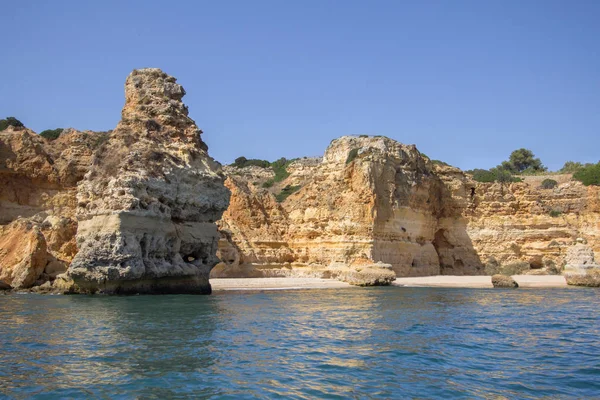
<point>134,210</point>
<point>147,207</point>
<point>37,202</point>
<point>581,268</point>
<point>370,199</point>
<point>23,254</point>
<point>503,281</point>
<point>523,228</point>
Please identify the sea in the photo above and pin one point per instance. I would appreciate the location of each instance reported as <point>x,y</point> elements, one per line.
<point>379,343</point>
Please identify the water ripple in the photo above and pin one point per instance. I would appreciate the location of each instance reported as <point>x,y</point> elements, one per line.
<point>372,343</point>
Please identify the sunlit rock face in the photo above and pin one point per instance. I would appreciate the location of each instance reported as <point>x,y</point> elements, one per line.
<point>147,208</point>
<point>549,231</point>
<point>368,200</point>
<point>372,199</point>
<point>38,179</point>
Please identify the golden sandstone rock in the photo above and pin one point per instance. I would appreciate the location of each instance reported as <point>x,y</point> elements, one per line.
<point>371,198</point>
<point>136,210</point>
<point>147,208</point>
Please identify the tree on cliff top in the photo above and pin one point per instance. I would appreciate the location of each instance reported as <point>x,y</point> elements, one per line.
<point>10,121</point>
<point>523,160</point>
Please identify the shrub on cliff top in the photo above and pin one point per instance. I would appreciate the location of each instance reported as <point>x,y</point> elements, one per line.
<point>51,134</point>
<point>279,167</point>
<point>497,174</point>
<point>10,121</point>
<point>440,162</point>
<point>482,175</point>
<point>588,175</point>
<point>242,162</point>
<point>571,167</point>
<point>549,183</point>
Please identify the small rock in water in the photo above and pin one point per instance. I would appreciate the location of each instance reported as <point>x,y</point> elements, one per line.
<point>503,281</point>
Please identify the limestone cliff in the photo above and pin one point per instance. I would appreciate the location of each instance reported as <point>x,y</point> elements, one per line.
<point>371,199</point>
<point>147,207</point>
<point>37,202</point>
<point>368,200</point>
<point>136,210</point>
<point>131,210</point>
<point>524,226</point>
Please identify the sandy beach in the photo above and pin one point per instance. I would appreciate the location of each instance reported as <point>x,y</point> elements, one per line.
<point>524,281</point>
<point>276,284</point>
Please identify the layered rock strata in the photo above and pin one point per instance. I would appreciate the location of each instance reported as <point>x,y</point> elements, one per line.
<point>371,199</point>
<point>147,207</point>
<point>37,202</point>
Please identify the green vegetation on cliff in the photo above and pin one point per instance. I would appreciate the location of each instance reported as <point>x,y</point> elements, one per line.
<point>279,167</point>
<point>589,174</point>
<point>51,134</point>
<point>523,161</point>
<point>549,183</point>
<point>10,121</point>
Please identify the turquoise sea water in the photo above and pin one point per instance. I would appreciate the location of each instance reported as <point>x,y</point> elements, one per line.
<point>341,343</point>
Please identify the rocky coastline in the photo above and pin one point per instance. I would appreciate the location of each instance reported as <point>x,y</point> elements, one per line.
<point>144,209</point>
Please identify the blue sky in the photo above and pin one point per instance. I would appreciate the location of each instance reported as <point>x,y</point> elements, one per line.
<point>466,81</point>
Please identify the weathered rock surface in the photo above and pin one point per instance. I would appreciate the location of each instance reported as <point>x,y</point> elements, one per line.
<point>581,268</point>
<point>143,200</point>
<point>37,202</point>
<point>521,225</point>
<point>23,254</point>
<point>370,199</point>
<point>147,207</point>
<point>375,199</point>
<point>503,281</point>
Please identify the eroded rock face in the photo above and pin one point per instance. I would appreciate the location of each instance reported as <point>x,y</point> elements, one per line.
<point>37,202</point>
<point>147,207</point>
<point>368,200</point>
<point>372,198</point>
<point>23,254</point>
<point>581,268</point>
<point>519,223</point>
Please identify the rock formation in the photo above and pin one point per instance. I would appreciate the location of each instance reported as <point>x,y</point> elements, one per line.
<point>37,202</point>
<point>503,281</point>
<point>371,199</point>
<point>147,207</point>
<point>136,210</point>
<point>581,268</point>
<point>128,211</point>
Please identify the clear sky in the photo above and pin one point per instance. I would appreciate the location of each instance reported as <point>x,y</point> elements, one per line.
<point>466,81</point>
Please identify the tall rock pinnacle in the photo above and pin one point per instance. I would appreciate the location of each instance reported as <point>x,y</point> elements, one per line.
<point>147,207</point>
